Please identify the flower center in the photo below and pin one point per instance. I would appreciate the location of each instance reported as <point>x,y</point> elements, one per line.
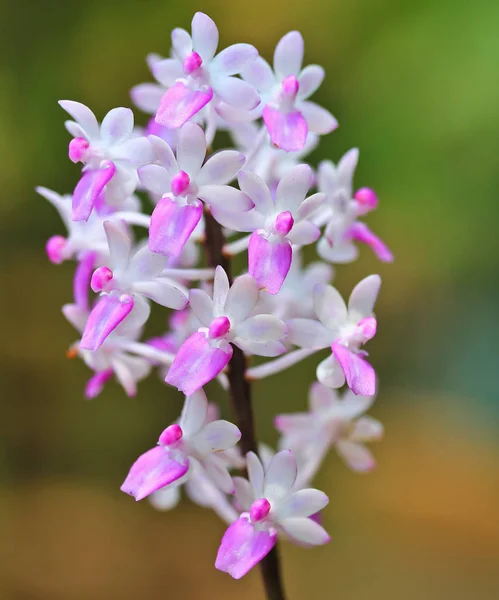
<point>191,63</point>
<point>284,223</point>
<point>171,435</point>
<point>259,510</point>
<point>180,183</point>
<point>219,327</point>
<point>287,92</point>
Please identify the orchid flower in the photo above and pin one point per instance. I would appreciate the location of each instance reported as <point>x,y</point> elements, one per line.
<point>345,330</point>
<point>179,446</point>
<point>271,507</point>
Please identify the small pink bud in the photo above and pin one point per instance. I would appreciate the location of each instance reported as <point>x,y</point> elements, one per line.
<point>290,86</point>
<point>180,183</point>
<point>100,278</point>
<point>171,435</point>
<point>191,62</point>
<point>367,198</point>
<point>77,149</point>
<point>219,327</point>
<point>55,249</point>
<point>259,510</point>
<point>368,327</point>
<point>284,223</point>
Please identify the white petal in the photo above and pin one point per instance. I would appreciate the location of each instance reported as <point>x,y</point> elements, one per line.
<point>129,370</point>
<point>363,297</point>
<point>181,42</point>
<point>310,80</point>
<point>327,177</point>
<point>164,154</point>
<point>352,405</point>
<point>262,329</point>
<point>217,436</point>
<point>256,189</point>
<point>220,291</point>
<point>147,96</point>
<point>303,503</point>
<point>241,299</point>
<point>329,306</point>
<point>165,498</point>
<point>244,493</point>
<point>317,272</point>
<point>167,71</point>
<point>288,55</point>
<point>338,253</point>
<point>204,36</point>
<point>155,178</point>
<point>234,59</point>
<point>119,246</point>
<point>346,169</point>
<point>319,120</point>
<point>83,116</point>
<point>132,325</point>
<point>330,373</point>
<point>236,92</point>
<point>356,456</point>
<point>145,265</point>
<point>74,129</point>
<point>308,333</point>
<point>163,291</point>
<point>221,168</point>
<point>137,151</point>
<point>322,398</point>
<point>255,473</point>
<point>305,531</point>
<point>227,198</point>
<point>194,413</point>
<point>366,429</point>
<point>310,205</point>
<point>117,126</point>
<point>202,306</point>
<point>304,233</point>
<point>281,475</point>
<point>238,221</point>
<point>61,203</point>
<point>269,349</point>
<point>191,149</point>
<point>217,471</point>
<point>260,75</point>
<point>293,188</point>
<point>76,316</point>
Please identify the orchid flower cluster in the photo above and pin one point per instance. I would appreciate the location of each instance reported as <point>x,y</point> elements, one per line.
<point>129,258</point>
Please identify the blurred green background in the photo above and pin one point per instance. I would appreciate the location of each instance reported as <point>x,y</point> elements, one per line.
<point>415,86</point>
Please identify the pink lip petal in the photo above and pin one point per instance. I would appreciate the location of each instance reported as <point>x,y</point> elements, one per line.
<point>88,190</point>
<point>171,226</point>
<point>152,471</point>
<point>179,104</point>
<point>106,315</point>
<point>288,131</point>
<point>81,280</point>
<point>268,263</point>
<point>96,383</point>
<point>360,376</point>
<point>361,233</point>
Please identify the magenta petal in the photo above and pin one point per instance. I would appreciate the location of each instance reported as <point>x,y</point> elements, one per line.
<point>106,315</point>
<point>81,280</point>
<point>152,471</point>
<point>288,131</point>
<point>361,233</point>
<point>88,190</point>
<point>243,547</point>
<point>360,375</point>
<point>96,383</point>
<point>179,104</point>
<point>196,363</point>
<point>268,262</point>
<point>171,226</point>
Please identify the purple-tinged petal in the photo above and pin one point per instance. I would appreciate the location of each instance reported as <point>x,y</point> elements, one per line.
<point>81,280</point>
<point>196,363</point>
<point>204,35</point>
<point>96,383</point>
<point>360,375</point>
<point>147,97</point>
<point>152,471</point>
<point>117,126</point>
<point>226,198</point>
<point>83,116</point>
<point>243,547</point>
<point>237,92</point>
<point>288,54</point>
<point>234,59</point>
<point>180,103</point>
<point>268,263</point>
<point>259,74</point>
<point>303,233</point>
<point>221,168</point>
<point>167,71</point>
<point>172,225</point>
<point>191,149</point>
<point>356,456</point>
<point>360,232</point>
<point>106,315</point>
<point>310,80</point>
<point>288,131</point>
<point>89,188</point>
<point>304,530</point>
<point>319,120</point>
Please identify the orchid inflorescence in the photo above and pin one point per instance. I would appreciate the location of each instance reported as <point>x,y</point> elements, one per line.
<point>280,308</point>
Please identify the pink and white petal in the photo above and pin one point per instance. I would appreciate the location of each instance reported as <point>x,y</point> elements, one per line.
<point>260,75</point>
<point>96,383</point>
<point>217,470</point>
<point>106,315</point>
<point>241,298</point>
<point>310,205</point>
<point>308,333</point>
<point>360,375</point>
<point>191,149</point>
<point>268,262</point>
<point>220,291</point>
<point>204,36</point>
<point>356,456</point>
<point>172,226</point>
<point>129,370</point>
<point>269,349</point>
<point>165,498</point>
<point>155,179</point>
<point>304,233</point>
<point>288,130</point>
<point>363,297</point>
<point>238,221</point>
<point>293,188</point>
<point>163,291</point>
<point>329,306</point>
<point>179,104</point>
<point>243,493</point>
<point>288,55</point>
<point>196,363</point>
<point>310,80</point>
<point>305,531</point>
<point>217,436</point>
<point>234,59</point>
<point>280,476</point>
<point>194,413</point>
<point>303,503</point>
<point>322,398</point>
<point>236,92</point>
<point>366,429</point>
<point>81,280</point>
<point>152,471</point>
<point>243,547</point>
<point>319,120</point>
<point>164,154</point>
<point>330,373</point>
<point>225,198</point>
<point>262,329</point>
<point>221,168</point>
<point>117,126</point>
<point>147,96</point>
<point>256,189</point>
<point>256,473</point>
<point>83,116</point>
<point>202,306</point>
<point>88,190</point>
<point>132,325</point>
<point>360,232</point>
<point>167,71</point>
<point>181,42</point>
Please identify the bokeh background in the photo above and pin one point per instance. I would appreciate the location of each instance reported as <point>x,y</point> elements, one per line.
<point>415,85</point>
